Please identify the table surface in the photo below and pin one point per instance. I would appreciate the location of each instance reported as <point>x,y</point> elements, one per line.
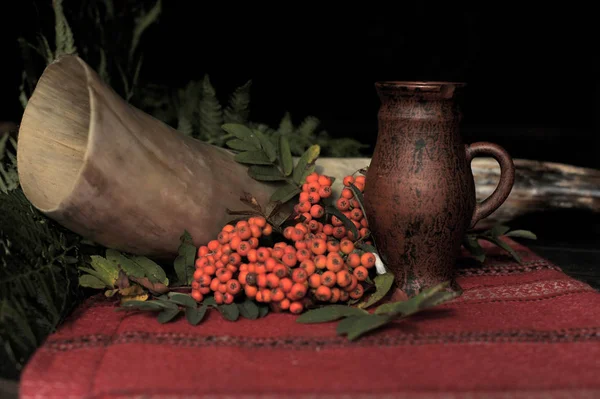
<point>572,243</point>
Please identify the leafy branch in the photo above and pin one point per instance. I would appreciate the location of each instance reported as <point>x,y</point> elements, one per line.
<point>173,304</point>
<point>493,235</point>
<point>356,322</point>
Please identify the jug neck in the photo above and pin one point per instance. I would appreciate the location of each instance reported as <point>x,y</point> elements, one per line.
<point>419,90</point>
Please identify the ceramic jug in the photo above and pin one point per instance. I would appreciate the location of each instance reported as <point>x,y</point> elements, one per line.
<point>419,193</point>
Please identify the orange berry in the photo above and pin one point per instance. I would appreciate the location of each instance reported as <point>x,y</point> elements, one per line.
<point>204,290</point>
<point>195,285</point>
<point>354,203</point>
<point>303,254</point>
<point>356,214</point>
<point>260,221</point>
<point>244,248</point>
<point>214,284</point>
<point>203,250</point>
<point>304,206</point>
<point>313,225</point>
<point>299,275</point>
<point>367,260</point>
<point>321,236</point>
<point>296,307</point>
<point>334,262</point>
<point>323,293</point>
<point>317,211</point>
<point>342,204</point>
<point>277,253</point>
<point>277,294</point>
<point>360,179</point>
<point>325,192</point>
<point>364,222</point>
<point>313,177</point>
<point>260,268</point>
<point>360,186</point>
<point>302,244</point>
<point>255,231</point>
<point>261,280</point>
<point>307,217</point>
<point>357,292</point>
<point>348,180</point>
<point>328,278</point>
<point>235,242</point>
<point>318,246</point>
<point>244,231</point>
<point>205,280</point>
<point>320,261</point>
<point>361,273</point>
<point>253,241</point>
<point>270,264</point>
<point>335,295</point>
<point>343,278</point>
<point>289,250</point>
<point>267,230</point>
<point>314,280</point>
<point>222,288</point>
<point>272,280</point>
<point>250,291</point>
<point>297,235</point>
<point>314,198</point>
<point>233,287</point>
<point>218,298</point>
<point>266,295</point>
<point>324,180</point>
<point>259,296</point>
<point>313,187</point>
<point>197,274</point>
<point>347,193</point>
<point>333,246</point>
<point>343,296</point>
<point>336,222</point>
<point>284,304</point>
<point>339,232</point>
<point>309,266</point>
<point>352,284</point>
<point>280,270</point>
<point>213,245</point>
<point>288,231</point>
<point>201,262</point>
<point>262,254</point>
<point>353,260</point>
<point>228,228</point>
<point>228,298</point>
<point>298,291</point>
<point>286,284</point>
<point>303,196</point>
<point>242,277</point>
<point>251,255</point>
<point>346,246</point>
<point>289,259</point>
<point>223,237</point>
<point>235,259</point>
<point>328,229</point>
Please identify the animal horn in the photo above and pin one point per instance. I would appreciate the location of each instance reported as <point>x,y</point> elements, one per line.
<point>115,175</point>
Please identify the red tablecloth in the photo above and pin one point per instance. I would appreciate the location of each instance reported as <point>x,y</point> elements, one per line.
<point>518,331</point>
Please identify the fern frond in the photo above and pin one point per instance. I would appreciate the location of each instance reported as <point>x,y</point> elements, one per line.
<point>65,42</point>
<point>286,127</point>
<point>237,111</point>
<point>143,22</point>
<point>38,279</point>
<point>9,178</point>
<point>211,115</point>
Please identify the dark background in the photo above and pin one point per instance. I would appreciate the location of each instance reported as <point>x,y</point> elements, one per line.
<point>532,74</point>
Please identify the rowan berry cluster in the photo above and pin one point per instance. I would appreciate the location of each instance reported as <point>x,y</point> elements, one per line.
<point>316,260</point>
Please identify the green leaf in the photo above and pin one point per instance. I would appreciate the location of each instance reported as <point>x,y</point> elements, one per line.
<point>184,263</point>
<point>87,280</point>
<point>345,325</point>
<point>237,110</point>
<point>347,222</point>
<point>307,159</point>
<point>285,126</point>
<point>240,145</point>
<point>383,283</point>
<point>266,145</point>
<point>412,305</point>
<point>521,234</point>
<point>503,245</point>
<point>265,173</point>
<point>497,230</point>
<point>230,312</point>
<point>248,309</point>
<point>129,267</point>
<point>108,270</point>
<point>367,323</point>
<point>210,301</point>
<point>97,275</point>
<point>153,271</point>
<point>329,313</point>
<point>182,299</point>
<point>157,287</point>
<point>253,158</point>
<point>142,305</point>
<point>285,156</point>
<point>308,171</point>
<point>359,197</point>
<point>167,315</point>
<point>194,316</point>
<point>263,311</point>
<point>243,133</point>
<point>285,193</point>
<point>110,293</point>
<point>472,245</point>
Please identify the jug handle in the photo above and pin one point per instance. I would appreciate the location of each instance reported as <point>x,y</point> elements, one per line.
<point>507,178</point>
